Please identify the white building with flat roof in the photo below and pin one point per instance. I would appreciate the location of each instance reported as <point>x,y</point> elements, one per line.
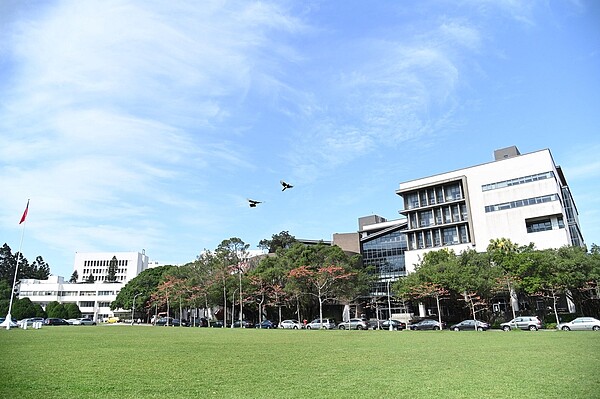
<point>522,197</point>
<point>93,299</point>
<point>96,264</point>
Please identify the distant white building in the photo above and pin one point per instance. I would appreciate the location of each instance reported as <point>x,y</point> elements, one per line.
<point>96,264</point>
<point>524,198</point>
<point>93,299</point>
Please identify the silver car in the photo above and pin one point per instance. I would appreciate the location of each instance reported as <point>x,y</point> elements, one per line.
<point>353,324</point>
<point>531,323</point>
<point>580,323</point>
<point>316,324</point>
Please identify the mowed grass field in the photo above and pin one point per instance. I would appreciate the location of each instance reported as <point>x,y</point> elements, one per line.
<point>171,362</point>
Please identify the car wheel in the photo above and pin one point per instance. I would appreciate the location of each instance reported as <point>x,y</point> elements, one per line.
<point>359,328</point>
<point>479,328</point>
<point>532,328</point>
<point>436,328</point>
<point>295,327</point>
<point>456,329</point>
<point>565,328</point>
<point>341,327</point>
<point>308,327</point>
<point>506,328</point>
<point>596,328</point>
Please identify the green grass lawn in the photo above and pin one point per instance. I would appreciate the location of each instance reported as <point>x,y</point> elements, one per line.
<point>170,362</point>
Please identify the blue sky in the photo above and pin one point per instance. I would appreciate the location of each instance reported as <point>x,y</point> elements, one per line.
<point>147,124</point>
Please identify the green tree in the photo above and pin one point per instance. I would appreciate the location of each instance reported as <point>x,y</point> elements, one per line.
<point>233,256</point>
<point>74,277</point>
<point>145,284</point>
<point>282,240</point>
<point>55,309</point>
<point>73,311</point>
<point>112,270</point>
<point>324,271</point>
<point>504,255</point>
<point>39,269</point>
<point>23,308</point>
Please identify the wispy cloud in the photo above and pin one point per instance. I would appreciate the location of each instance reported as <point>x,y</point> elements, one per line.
<point>395,95</point>
<point>110,102</point>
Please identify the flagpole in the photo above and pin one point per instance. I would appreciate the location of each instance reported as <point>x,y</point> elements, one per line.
<point>12,292</point>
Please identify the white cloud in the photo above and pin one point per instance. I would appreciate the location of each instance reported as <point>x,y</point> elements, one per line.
<point>111,104</point>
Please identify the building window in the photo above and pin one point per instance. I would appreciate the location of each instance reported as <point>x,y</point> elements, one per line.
<point>521,203</point>
<point>517,181</point>
<point>453,192</point>
<point>539,225</point>
<point>450,236</point>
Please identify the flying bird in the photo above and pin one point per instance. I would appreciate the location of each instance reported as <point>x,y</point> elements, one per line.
<point>253,203</point>
<point>285,185</point>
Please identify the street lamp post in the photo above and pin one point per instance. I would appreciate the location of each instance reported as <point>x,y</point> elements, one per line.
<point>391,327</point>
<point>233,308</point>
<point>133,307</point>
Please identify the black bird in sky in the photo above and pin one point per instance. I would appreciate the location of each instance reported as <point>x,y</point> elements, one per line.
<point>285,185</point>
<point>253,203</point>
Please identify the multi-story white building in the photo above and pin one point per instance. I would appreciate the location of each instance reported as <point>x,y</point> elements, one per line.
<point>522,197</point>
<point>96,264</point>
<point>93,299</point>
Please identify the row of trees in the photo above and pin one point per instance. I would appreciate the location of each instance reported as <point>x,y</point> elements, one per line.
<point>472,280</point>
<point>38,269</point>
<point>299,279</point>
<point>23,309</point>
<point>293,277</point>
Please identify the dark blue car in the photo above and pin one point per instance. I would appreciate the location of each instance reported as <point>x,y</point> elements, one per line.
<point>266,324</point>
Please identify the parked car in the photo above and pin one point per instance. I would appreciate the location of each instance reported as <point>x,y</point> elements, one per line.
<point>353,324</point>
<point>531,323</point>
<point>169,321</point>
<point>217,324</point>
<point>30,321</point>
<point>291,324</point>
<point>374,324</point>
<point>427,324</point>
<point>470,325</point>
<point>580,323</point>
<point>243,324</point>
<point>201,322</point>
<point>266,324</point>
<point>316,324</point>
<point>53,321</point>
<point>397,325</point>
<point>84,321</point>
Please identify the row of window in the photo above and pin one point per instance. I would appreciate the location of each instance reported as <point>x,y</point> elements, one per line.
<point>95,263</point>
<point>517,181</point>
<point>99,271</point>
<point>443,215</point>
<point>433,195</point>
<point>386,254</point>
<point>520,203</point>
<point>535,226</point>
<point>438,237</point>
<point>66,293</point>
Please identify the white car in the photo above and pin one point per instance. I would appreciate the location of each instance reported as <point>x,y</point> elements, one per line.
<point>83,321</point>
<point>580,323</point>
<point>290,324</point>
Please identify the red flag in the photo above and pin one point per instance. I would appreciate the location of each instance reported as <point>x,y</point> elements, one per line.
<point>24,213</point>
